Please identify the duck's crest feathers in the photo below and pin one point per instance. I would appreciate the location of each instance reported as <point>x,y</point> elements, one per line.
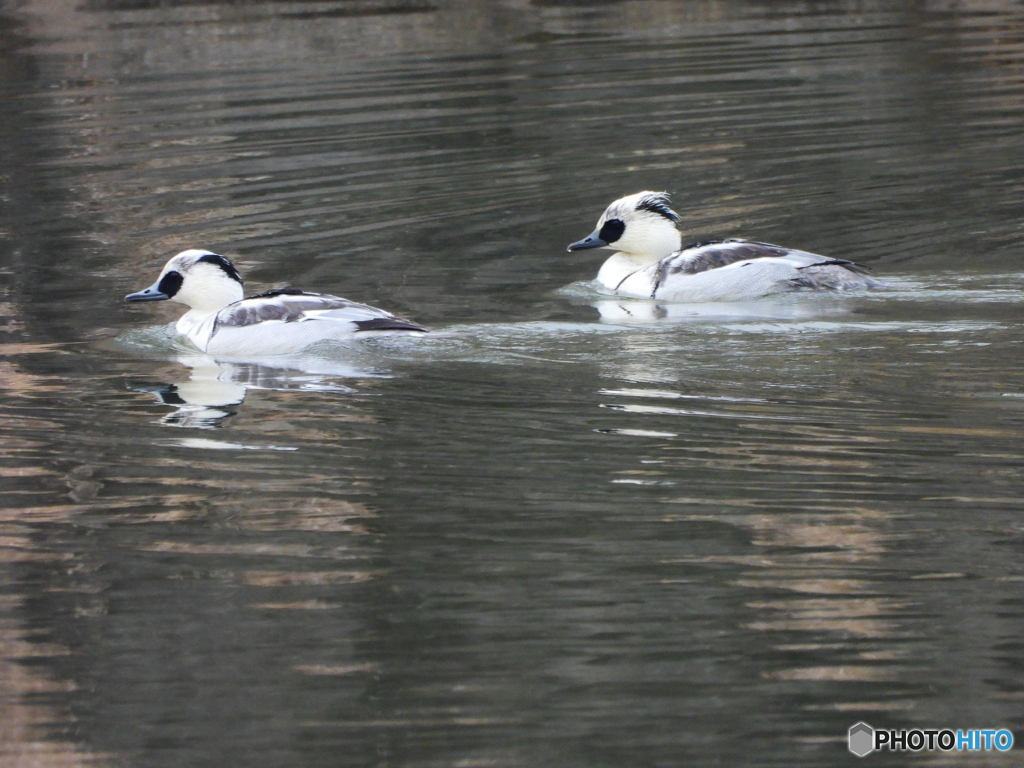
<point>224,263</point>
<point>659,203</point>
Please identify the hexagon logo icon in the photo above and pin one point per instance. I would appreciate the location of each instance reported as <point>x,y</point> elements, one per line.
<point>861,739</point>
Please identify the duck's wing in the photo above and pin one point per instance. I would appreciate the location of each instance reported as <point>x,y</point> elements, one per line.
<point>815,271</point>
<point>713,254</point>
<point>292,306</point>
<point>735,270</point>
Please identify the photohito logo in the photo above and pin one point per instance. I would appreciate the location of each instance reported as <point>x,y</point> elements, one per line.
<point>863,739</point>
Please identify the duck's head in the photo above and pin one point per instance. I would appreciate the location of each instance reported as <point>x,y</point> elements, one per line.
<point>642,224</point>
<point>202,280</point>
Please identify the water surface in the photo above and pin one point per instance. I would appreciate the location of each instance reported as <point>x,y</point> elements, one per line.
<point>558,531</point>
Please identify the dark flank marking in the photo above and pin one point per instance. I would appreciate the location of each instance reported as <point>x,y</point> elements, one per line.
<point>612,230</point>
<point>658,204</point>
<point>170,284</point>
<point>224,263</point>
<point>388,324</point>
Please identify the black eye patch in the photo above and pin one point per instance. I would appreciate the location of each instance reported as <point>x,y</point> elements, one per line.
<point>224,264</point>
<point>170,283</point>
<point>612,230</point>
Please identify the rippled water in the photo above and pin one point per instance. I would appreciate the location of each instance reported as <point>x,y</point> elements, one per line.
<point>559,530</point>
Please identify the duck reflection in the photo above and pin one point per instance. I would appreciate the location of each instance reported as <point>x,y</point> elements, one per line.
<point>215,388</point>
<point>644,311</point>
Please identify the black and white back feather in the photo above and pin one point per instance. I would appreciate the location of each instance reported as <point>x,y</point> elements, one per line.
<point>294,306</point>
<point>711,254</point>
<point>812,271</point>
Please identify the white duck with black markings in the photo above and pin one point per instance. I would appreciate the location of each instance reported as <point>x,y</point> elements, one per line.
<point>220,321</point>
<point>651,262</point>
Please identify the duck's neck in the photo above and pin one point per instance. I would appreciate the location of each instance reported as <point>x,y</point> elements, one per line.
<point>206,300</point>
<point>642,248</point>
<point>621,265</point>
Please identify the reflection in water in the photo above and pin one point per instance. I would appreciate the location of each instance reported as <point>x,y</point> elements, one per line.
<point>201,401</point>
<point>614,311</point>
<point>214,387</point>
<point>789,306</point>
<point>27,692</point>
<point>33,704</point>
<point>549,534</point>
<point>821,542</point>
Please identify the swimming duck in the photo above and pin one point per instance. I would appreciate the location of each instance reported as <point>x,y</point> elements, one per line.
<point>221,322</point>
<point>651,262</point>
